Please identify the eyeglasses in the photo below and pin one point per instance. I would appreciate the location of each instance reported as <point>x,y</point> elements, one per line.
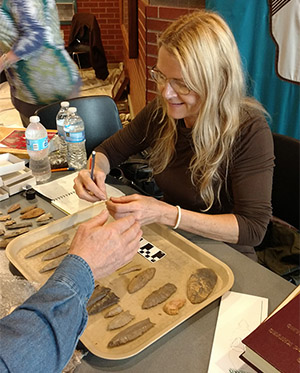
<point>160,79</point>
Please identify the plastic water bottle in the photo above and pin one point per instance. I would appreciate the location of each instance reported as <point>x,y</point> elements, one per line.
<point>75,138</point>
<point>60,121</point>
<point>37,148</point>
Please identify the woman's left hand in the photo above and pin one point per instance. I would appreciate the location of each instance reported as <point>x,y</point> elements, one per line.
<point>146,210</point>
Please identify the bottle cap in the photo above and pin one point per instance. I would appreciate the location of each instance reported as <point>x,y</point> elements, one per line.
<point>34,119</point>
<point>72,109</point>
<point>64,104</point>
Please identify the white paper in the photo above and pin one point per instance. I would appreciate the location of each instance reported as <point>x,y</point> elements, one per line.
<point>239,315</point>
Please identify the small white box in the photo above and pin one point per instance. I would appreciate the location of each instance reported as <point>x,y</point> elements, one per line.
<point>17,186</point>
<point>16,176</point>
<point>10,163</point>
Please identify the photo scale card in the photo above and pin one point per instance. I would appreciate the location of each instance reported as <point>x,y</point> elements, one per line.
<point>150,251</point>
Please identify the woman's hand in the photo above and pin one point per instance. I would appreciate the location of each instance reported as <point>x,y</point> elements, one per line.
<point>145,210</point>
<point>88,189</point>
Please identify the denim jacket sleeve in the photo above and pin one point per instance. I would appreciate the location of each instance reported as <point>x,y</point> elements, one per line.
<point>42,333</point>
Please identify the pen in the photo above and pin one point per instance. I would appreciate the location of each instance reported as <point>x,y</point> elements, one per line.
<point>62,169</point>
<point>93,164</point>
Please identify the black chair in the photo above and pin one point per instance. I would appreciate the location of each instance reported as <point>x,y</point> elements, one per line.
<point>285,192</point>
<point>279,250</point>
<point>99,113</point>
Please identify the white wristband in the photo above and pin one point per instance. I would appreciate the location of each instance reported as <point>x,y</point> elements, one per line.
<point>178,218</point>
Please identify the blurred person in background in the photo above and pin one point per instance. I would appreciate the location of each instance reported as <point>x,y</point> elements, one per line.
<point>38,68</point>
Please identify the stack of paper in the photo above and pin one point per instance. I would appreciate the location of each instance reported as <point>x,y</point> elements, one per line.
<point>239,315</point>
<point>14,176</point>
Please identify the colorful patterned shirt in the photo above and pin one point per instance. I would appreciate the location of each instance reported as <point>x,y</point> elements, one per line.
<point>45,72</point>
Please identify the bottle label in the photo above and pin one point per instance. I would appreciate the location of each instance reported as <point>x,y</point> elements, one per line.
<point>75,136</point>
<point>36,145</point>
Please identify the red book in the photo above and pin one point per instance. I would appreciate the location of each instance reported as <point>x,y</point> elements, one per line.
<point>274,346</point>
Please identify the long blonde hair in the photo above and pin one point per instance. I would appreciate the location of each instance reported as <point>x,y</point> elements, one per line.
<point>210,63</point>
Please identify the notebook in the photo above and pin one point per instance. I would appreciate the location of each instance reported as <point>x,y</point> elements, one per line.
<point>64,197</point>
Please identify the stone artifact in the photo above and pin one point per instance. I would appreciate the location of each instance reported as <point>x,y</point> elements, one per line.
<point>9,222</point>
<point>4,243</point>
<point>173,306</point>
<point>26,209</point>
<point>130,269</point>
<point>98,293</point>
<point>120,320</point>
<point>49,244</point>
<point>52,265</point>
<point>13,208</point>
<point>159,296</point>
<point>56,252</point>
<point>200,284</point>
<point>16,233</point>
<point>44,217</point>
<point>32,213</point>
<point>140,280</point>
<point>114,311</point>
<point>15,225</point>
<point>5,217</point>
<point>132,332</point>
<point>109,299</point>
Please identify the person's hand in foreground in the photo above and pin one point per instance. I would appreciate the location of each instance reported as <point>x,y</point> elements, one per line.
<point>41,334</point>
<point>106,247</point>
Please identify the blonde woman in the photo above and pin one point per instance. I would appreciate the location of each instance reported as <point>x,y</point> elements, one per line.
<point>211,147</point>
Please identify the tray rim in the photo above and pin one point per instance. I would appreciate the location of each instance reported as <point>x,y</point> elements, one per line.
<point>59,225</point>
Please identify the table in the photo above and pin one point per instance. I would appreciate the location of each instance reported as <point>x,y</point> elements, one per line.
<point>187,347</point>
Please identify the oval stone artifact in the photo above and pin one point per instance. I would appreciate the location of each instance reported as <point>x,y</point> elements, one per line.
<point>140,280</point>
<point>201,284</point>
<point>159,296</point>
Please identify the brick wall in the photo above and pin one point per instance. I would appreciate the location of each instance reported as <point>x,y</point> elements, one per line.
<point>153,19</point>
<point>158,19</point>
<point>107,13</point>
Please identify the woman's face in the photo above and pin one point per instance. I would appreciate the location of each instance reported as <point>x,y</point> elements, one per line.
<point>179,106</point>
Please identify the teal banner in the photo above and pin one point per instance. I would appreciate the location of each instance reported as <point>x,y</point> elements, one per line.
<point>268,37</point>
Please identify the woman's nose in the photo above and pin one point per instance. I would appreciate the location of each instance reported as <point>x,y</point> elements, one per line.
<point>168,91</point>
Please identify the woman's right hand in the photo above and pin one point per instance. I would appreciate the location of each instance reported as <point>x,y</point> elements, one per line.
<point>88,189</point>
